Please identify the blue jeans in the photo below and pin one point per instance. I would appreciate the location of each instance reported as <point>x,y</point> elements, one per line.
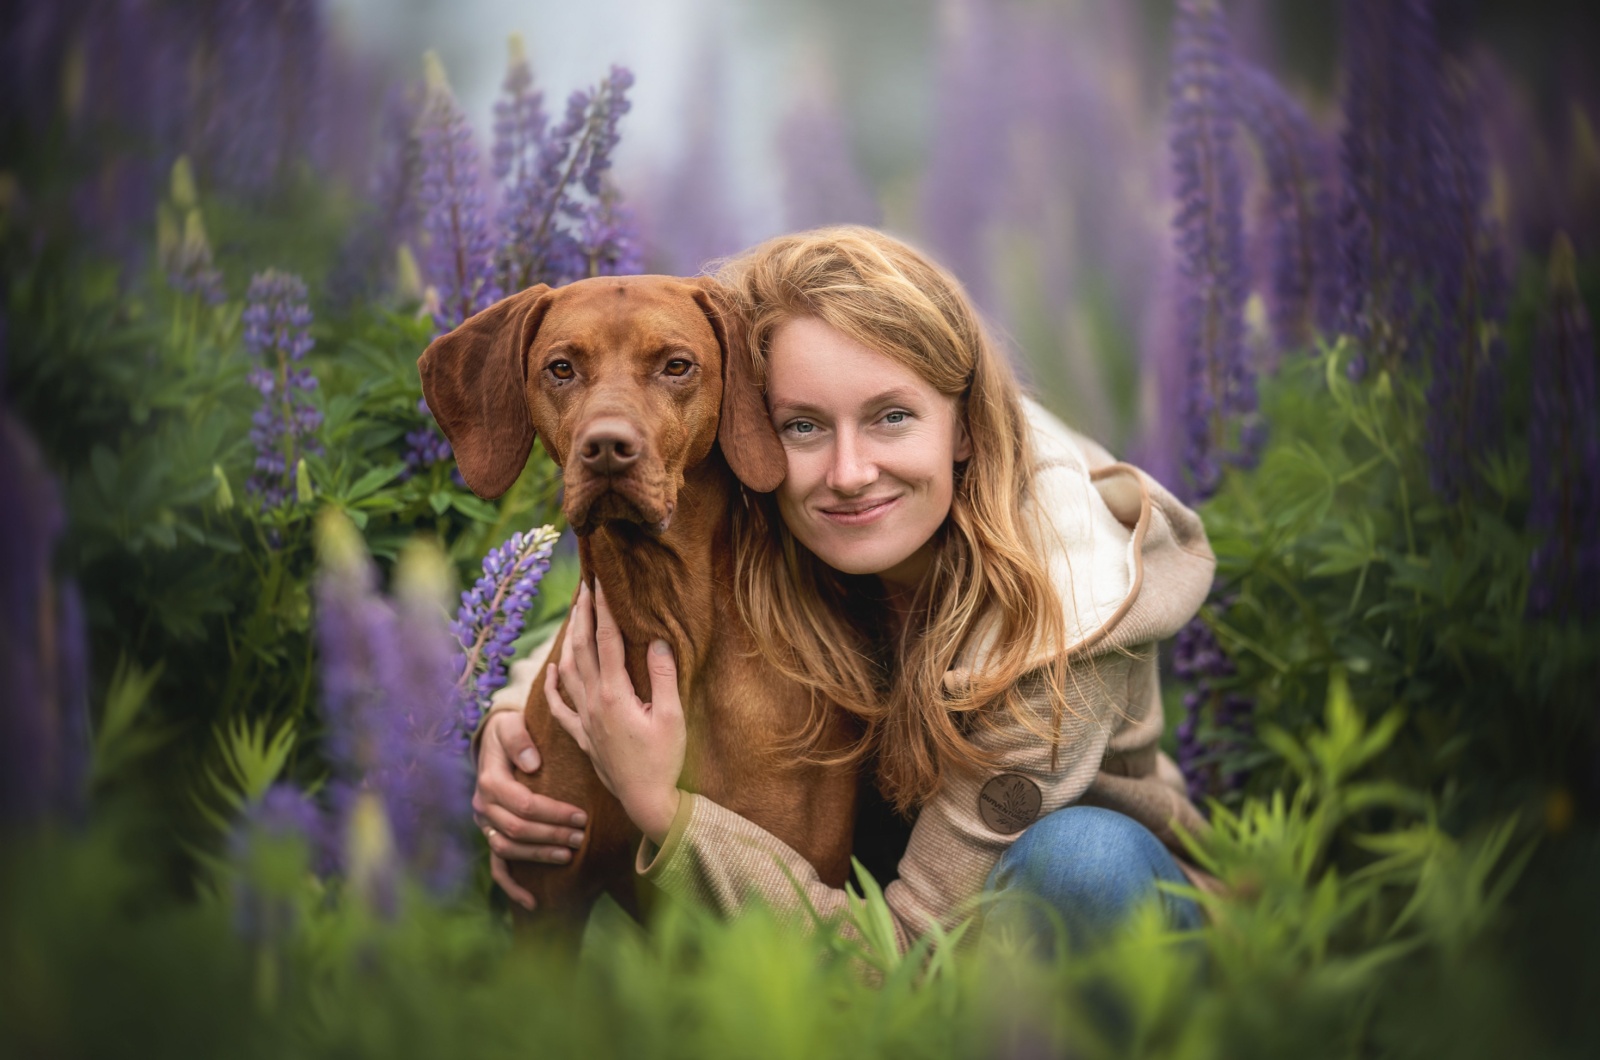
<point>1091,866</point>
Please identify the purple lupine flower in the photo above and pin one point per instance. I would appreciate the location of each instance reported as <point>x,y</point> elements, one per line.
<point>187,261</point>
<point>1199,658</point>
<point>392,219</point>
<point>1298,209</point>
<point>519,121</point>
<point>43,664</point>
<point>425,446</point>
<point>277,331</point>
<point>1388,161</point>
<point>605,239</point>
<point>262,910</point>
<point>286,811</point>
<point>822,183</point>
<point>459,256</point>
<point>535,245</point>
<point>970,97</point>
<point>687,217</point>
<point>491,618</point>
<point>1210,239</point>
<point>390,711</point>
<point>262,91</point>
<point>1469,291</point>
<point>1564,454</point>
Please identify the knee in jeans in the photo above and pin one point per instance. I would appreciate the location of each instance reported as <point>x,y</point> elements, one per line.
<point>1078,848</point>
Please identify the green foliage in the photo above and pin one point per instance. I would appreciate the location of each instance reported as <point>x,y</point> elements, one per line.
<point>140,396</point>
<point>1300,958</point>
<point>1337,562</point>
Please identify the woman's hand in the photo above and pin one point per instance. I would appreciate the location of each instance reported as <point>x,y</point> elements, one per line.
<point>637,748</point>
<point>519,825</point>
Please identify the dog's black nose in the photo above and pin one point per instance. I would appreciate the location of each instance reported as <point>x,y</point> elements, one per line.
<point>609,447</point>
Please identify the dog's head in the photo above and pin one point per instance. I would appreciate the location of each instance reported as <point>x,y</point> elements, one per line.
<point>628,380</point>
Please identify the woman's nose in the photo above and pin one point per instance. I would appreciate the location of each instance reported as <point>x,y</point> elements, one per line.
<point>850,471</point>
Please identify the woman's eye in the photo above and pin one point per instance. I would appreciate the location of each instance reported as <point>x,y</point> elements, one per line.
<point>677,367</point>
<point>560,370</point>
<point>802,427</point>
<point>896,418</point>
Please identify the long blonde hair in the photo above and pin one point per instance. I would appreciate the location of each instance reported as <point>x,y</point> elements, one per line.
<point>808,618</point>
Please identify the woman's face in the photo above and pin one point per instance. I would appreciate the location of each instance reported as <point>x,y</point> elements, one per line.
<point>872,449</point>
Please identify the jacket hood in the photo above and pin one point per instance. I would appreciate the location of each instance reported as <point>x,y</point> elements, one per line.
<point>1129,561</point>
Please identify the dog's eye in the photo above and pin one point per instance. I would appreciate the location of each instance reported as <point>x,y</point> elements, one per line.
<point>560,369</point>
<point>677,366</point>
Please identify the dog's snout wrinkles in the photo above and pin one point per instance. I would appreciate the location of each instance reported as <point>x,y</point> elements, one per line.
<point>609,447</point>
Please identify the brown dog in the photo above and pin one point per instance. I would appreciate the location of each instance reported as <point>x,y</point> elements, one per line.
<point>631,382</point>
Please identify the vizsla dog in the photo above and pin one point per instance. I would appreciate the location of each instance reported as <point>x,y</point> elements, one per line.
<point>639,389</point>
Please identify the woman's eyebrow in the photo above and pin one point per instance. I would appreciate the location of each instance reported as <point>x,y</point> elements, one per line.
<point>894,395</point>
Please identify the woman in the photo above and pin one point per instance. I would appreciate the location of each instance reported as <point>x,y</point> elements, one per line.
<point>983,587</point>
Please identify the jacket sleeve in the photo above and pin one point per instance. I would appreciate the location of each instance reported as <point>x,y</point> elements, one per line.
<point>714,856</point>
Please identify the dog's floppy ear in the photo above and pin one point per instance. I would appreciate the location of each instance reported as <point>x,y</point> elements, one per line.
<point>473,379</point>
<point>749,443</point>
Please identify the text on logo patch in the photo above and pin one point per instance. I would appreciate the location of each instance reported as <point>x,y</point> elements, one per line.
<point>1009,803</point>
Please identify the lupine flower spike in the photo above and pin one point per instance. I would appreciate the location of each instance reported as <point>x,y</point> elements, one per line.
<point>277,331</point>
<point>1210,231</point>
<point>1298,215</point>
<point>491,618</point>
<point>1198,657</point>
<point>459,257</point>
<point>391,732</point>
<point>541,202</point>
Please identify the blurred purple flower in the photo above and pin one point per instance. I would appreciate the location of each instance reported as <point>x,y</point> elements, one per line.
<point>822,183</point>
<point>389,705</point>
<point>1469,292</point>
<point>1198,658</point>
<point>1210,240</point>
<point>1564,454</point>
<point>425,446</point>
<point>687,218</point>
<point>1297,213</point>
<point>458,260</point>
<point>491,618</point>
<point>43,647</point>
<point>392,218</point>
<point>286,811</point>
<point>261,92</point>
<point>1389,172</point>
<point>971,97</point>
<point>277,332</point>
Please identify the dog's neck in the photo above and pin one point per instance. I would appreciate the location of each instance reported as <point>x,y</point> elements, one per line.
<point>666,585</point>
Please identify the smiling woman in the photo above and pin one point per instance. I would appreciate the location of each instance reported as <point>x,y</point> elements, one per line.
<point>979,586</point>
<point>870,446</point>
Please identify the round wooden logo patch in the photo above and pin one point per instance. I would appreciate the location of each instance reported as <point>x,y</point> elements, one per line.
<point>1009,803</point>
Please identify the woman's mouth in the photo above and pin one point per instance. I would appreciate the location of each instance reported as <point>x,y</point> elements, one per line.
<point>859,513</point>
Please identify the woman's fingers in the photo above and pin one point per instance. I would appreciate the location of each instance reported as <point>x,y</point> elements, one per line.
<point>608,644</point>
<point>529,833</point>
<point>507,849</point>
<point>663,667</point>
<point>567,670</point>
<point>565,716</point>
<point>580,633</point>
<point>501,873</point>
<point>519,746</point>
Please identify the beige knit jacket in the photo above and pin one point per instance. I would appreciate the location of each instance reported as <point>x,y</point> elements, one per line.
<point>1131,565</point>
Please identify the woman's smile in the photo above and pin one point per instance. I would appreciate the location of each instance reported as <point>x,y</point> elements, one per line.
<point>871,449</point>
<point>860,513</point>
